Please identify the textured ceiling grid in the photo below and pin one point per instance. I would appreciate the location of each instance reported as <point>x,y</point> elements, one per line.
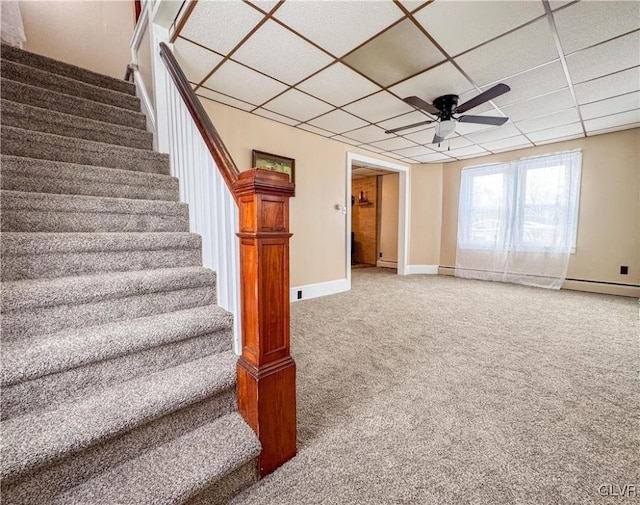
<point>340,69</point>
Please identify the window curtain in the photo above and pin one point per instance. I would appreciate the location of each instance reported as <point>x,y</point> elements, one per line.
<point>517,221</point>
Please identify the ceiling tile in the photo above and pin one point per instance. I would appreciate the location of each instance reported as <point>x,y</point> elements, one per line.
<point>535,82</point>
<point>338,121</point>
<point>412,5</point>
<point>220,25</point>
<point>415,151</point>
<point>556,132</point>
<point>227,100</point>
<point>624,118</point>
<point>608,86</point>
<point>556,4</point>
<point>540,106</point>
<point>466,151</point>
<point>241,82</point>
<point>338,85</point>
<point>540,123</point>
<point>513,53</point>
<point>584,24</point>
<point>475,22</point>
<point>614,129</point>
<point>431,158</point>
<point>195,61</point>
<point>379,107</point>
<point>494,133</point>
<point>394,143</point>
<point>444,79</point>
<point>393,155</point>
<point>507,144</point>
<point>297,105</point>
<point>346,140</point>
<point>424,136</point>
<point>276,117</point>
<point>609,106</point>
<point>397,53</point>
<point>281,54</point>
<point>405,120</point>
<point>408,160</point>
<point>317,131</point>
<point>374,149</point>
<point>451,143</point>
<point>265,5</point>
<point>555,140</point>
<point>367,134</point>
<point>338,26</point>
<point>607,58</point>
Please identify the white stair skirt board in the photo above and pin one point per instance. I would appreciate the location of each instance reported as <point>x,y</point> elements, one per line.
<point>386,264</point>
<point>422,269</point>
<point>319,289</point>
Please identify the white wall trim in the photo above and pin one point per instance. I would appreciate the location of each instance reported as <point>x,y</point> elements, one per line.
<point>319,289</point>
<point>422,269</point>
<point>403,208</point>
<point>386,264</point>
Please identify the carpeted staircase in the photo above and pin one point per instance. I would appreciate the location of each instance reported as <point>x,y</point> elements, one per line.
<point>118,378</point>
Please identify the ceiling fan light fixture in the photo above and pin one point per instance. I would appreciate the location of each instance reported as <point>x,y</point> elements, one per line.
<point>445,128</point>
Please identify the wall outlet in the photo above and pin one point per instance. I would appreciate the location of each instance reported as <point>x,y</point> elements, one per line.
<point>381,255</point>
<point>299,294</point>
<point>624,270</point>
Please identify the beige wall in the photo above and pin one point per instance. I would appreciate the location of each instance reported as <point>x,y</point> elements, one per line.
<point>93,35</point>
<point>389,185</point>
<point>609,216</point>
<point>425,227</point>
<point>318,245</point>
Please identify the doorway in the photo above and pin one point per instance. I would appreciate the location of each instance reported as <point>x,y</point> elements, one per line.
<point>378,216</point>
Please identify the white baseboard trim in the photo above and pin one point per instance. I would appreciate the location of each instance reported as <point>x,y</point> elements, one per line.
<point>319,289</point>
<point>422,269</point>
<point>386,264</point>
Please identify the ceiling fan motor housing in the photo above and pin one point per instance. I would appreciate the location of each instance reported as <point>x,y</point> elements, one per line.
<point>446,104</point>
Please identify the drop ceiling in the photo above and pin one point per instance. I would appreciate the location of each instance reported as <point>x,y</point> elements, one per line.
<point>340,69</point>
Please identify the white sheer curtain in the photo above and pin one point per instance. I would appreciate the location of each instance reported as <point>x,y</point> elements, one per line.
<point>517,221</point>
<point>11,27</point>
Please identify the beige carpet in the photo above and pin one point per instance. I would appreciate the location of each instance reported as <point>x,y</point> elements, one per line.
<point>436,390</point>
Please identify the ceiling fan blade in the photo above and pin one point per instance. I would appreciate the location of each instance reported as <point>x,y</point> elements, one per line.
<point>490,94</point>
<point>492,120</point>
<point>419,103</point>
<point>410,126</point>
<point>437,139</point>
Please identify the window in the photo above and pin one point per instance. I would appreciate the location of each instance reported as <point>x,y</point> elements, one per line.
<point>525,205</point>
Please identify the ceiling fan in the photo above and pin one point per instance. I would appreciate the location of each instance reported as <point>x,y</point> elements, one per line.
<point>445,108</point>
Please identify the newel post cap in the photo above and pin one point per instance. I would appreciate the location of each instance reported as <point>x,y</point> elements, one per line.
<point>261,181</point>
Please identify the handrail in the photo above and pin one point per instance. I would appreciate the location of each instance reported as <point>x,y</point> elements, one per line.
<point>211,138</point>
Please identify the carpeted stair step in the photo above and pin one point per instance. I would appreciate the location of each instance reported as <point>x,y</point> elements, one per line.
<point>57,177</point>
<point>65,69</point>
<point>49,369</point>
<point>55,82</point>
<point>208,465</point>
<point>46,146</point>
<point>37,307</point>
<point>29,255</point>
<point>42,212</point>
<point>34,441</point>
<point>28,117</point>
<point>68,104</point>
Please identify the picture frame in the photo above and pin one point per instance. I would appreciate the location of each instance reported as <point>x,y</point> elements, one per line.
<point>275,162</point>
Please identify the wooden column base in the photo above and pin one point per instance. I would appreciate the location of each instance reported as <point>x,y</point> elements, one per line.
<point>267,401</point>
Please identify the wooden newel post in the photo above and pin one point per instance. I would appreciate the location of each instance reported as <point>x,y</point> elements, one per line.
<point>266,371</point>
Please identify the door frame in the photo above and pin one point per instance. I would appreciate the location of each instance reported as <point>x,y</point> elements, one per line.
<point>403,208</point>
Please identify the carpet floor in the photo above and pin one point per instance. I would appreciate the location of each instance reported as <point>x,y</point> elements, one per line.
<point>437,390</point>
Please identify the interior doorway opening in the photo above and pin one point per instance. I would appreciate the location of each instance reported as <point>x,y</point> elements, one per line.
<point>377,214</point>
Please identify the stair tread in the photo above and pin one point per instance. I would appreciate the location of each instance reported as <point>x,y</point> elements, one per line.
<point>56,82</point>
<point>65,69</point>
<point>24,200</point>
<point>75,105</point>
<point>20,243</point>
<point>39,293</point>
<point>26,359</point>
<point>33,118</point>
<point>35,440</point>
<point>173,472</point>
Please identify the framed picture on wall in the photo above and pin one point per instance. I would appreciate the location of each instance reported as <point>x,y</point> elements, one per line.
<point>268,161</point>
